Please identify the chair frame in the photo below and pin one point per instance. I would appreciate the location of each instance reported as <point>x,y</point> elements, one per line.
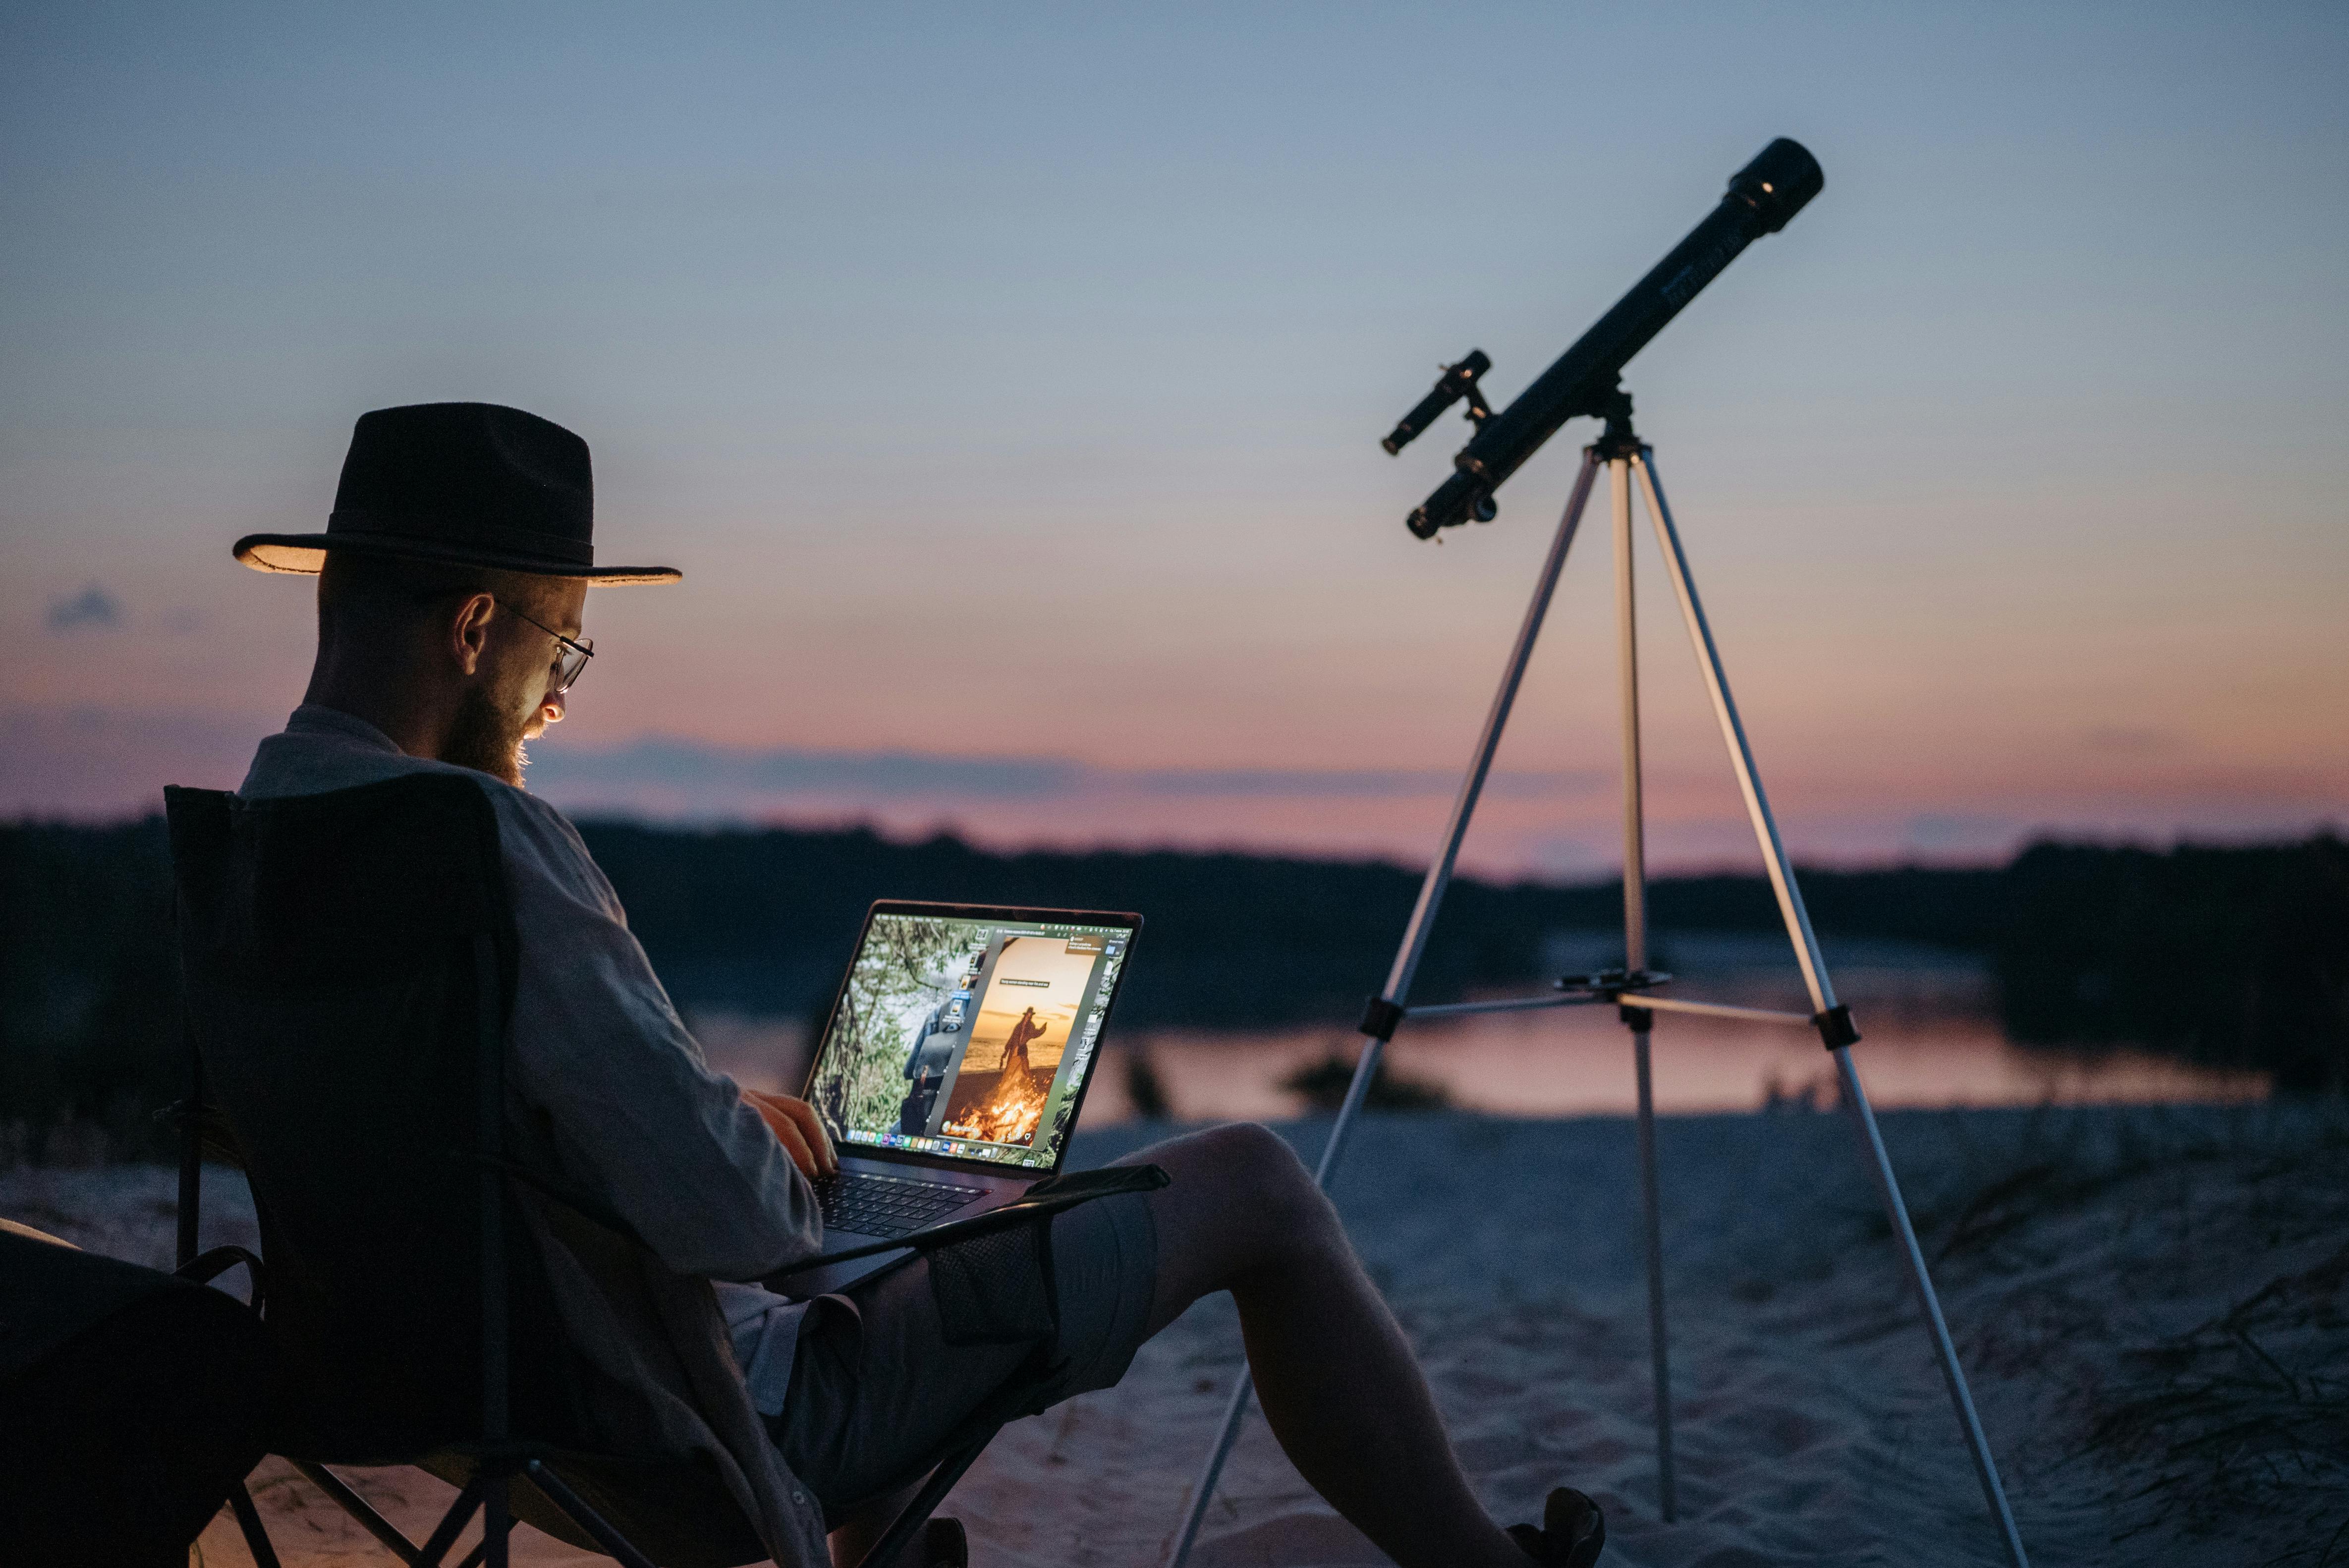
<point>501,1461</point>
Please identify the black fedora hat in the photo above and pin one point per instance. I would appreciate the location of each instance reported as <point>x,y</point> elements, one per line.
<point>470,484</point>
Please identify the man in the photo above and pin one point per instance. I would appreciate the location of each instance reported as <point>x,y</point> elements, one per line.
<point>453,580</point>
<point>1015,1049</point>
<point>927,1063</point>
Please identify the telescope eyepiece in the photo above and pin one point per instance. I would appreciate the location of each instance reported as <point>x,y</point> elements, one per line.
<point>1455,500</point>
<point>1778,183</point>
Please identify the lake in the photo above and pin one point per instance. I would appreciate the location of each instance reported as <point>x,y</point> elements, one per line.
<point>1929,1015</point>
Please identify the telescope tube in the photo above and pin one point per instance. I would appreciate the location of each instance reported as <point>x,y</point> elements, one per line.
<point>1761,197</point>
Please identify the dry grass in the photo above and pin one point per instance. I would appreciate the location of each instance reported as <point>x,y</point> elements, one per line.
<point>2240,1419</point>
<point>2245,1415</point>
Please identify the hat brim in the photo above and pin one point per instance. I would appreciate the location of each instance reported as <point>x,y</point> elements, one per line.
<point>304,554</point>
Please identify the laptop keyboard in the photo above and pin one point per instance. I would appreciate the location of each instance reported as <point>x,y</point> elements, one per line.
<point>887,1206</point>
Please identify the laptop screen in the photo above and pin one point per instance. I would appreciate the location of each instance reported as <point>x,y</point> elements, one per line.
<point>966,1033</point>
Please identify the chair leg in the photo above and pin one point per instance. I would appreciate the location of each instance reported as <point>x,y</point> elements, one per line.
<point>945,1545</point>
<point>497,1522</point>
<point>459,1514</point>
<point>248,1520</point>
<point>340,1493</point>
<point>917,1513</point>
<point>558,1492</point>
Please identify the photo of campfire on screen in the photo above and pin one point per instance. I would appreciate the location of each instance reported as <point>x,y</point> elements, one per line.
<point>1017,1040</point>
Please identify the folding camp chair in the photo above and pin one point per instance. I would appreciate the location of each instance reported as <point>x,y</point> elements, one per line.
<point>132,1403</point>
<point>349,960</point>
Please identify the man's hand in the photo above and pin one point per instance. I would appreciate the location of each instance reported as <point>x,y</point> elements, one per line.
<point>798,1129</point>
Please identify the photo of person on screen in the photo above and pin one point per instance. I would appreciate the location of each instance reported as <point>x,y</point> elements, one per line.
<point>1015,1050</point>
<point>929,1061</point>
<point>1018,1037</point>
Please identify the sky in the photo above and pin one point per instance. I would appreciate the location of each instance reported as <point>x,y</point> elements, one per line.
<point>1007,382</point>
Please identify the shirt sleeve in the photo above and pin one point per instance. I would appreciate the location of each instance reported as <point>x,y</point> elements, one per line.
<point>637,1116</point>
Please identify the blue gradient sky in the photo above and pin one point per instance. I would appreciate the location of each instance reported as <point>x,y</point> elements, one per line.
<point>1007,382</point>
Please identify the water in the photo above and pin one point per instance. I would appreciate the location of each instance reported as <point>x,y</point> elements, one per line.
<point>1933,1040</point>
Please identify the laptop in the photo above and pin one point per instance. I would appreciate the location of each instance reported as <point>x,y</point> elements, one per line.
<point>953,1065</point>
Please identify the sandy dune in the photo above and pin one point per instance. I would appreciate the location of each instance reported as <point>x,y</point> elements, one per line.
<point>2150,1300</point>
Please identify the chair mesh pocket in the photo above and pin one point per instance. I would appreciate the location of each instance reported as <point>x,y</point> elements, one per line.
<point>996,1289</point>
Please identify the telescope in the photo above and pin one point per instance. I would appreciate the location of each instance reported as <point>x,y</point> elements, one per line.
<point>1585,379</point>
<point>1761,197</point>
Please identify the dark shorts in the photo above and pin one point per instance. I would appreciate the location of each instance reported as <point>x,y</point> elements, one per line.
<point>876,1392</point>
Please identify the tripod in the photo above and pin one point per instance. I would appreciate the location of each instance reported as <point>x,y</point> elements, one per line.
<point>1631,988</point>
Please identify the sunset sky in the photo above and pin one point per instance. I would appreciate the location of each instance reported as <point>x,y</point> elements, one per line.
<point>1007,382</point>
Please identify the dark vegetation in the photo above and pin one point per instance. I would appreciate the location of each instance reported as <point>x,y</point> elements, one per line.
<point>764,920</point>
<point>89,989</point>
<point>1323,1085</point>
<point>2230,956</point>
<point>2226,956</point>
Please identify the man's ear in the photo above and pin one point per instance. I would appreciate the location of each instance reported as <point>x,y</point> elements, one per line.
<point>469,632</point>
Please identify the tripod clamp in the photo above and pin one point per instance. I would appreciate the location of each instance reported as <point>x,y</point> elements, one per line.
<point>1609,985</point>
<point>1836,1029</point>
<point>1612,986</point>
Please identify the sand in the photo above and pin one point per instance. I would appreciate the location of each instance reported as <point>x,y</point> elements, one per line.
<point>2150,1302</point>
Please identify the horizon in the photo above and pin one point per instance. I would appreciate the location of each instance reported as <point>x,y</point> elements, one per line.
<point>1046,354</point>
<point>917,835</point>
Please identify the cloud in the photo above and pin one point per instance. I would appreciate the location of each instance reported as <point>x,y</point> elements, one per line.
<point>2130,740</point>
<point>93,607</point>
<point>714,771</point>
<point>1375,783</point>
<point>659,763</point>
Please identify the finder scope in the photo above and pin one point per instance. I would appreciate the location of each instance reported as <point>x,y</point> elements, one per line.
<point>1457,381</point>
<point>1761,197</point>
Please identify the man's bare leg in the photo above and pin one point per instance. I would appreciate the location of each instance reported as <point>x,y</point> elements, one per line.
<point>1338,1382</point>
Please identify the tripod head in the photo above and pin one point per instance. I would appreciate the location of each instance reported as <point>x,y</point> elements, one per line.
<point>1761,197</point>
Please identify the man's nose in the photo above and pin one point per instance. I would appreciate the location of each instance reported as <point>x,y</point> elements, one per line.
<point>551,707</point>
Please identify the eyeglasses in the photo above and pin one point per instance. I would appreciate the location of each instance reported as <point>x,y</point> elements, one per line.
<point>571,661</point>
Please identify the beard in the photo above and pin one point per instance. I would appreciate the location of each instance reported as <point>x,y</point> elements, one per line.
<point>487,739</point>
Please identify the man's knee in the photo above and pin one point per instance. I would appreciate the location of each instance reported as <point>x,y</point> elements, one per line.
<point>1264,1185</point>
<point>1247,1155</point>
<point>1257,1150</point>
<point>1241,1204</point>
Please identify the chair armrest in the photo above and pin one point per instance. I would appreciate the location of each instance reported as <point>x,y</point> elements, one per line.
<point>1049,1196</point>
<point>205,1268</point>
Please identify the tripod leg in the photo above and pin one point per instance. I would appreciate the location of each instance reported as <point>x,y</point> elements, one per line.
<point>1961,1399</point>
<point>1407,955</point>
<point>1659,1344</point>
<point>1635,957</point>
<point>1740,754</point>
<point>1814,976</point>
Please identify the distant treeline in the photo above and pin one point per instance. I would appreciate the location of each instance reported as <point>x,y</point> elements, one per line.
<point>763,920</point>
<point>2235,957</point>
